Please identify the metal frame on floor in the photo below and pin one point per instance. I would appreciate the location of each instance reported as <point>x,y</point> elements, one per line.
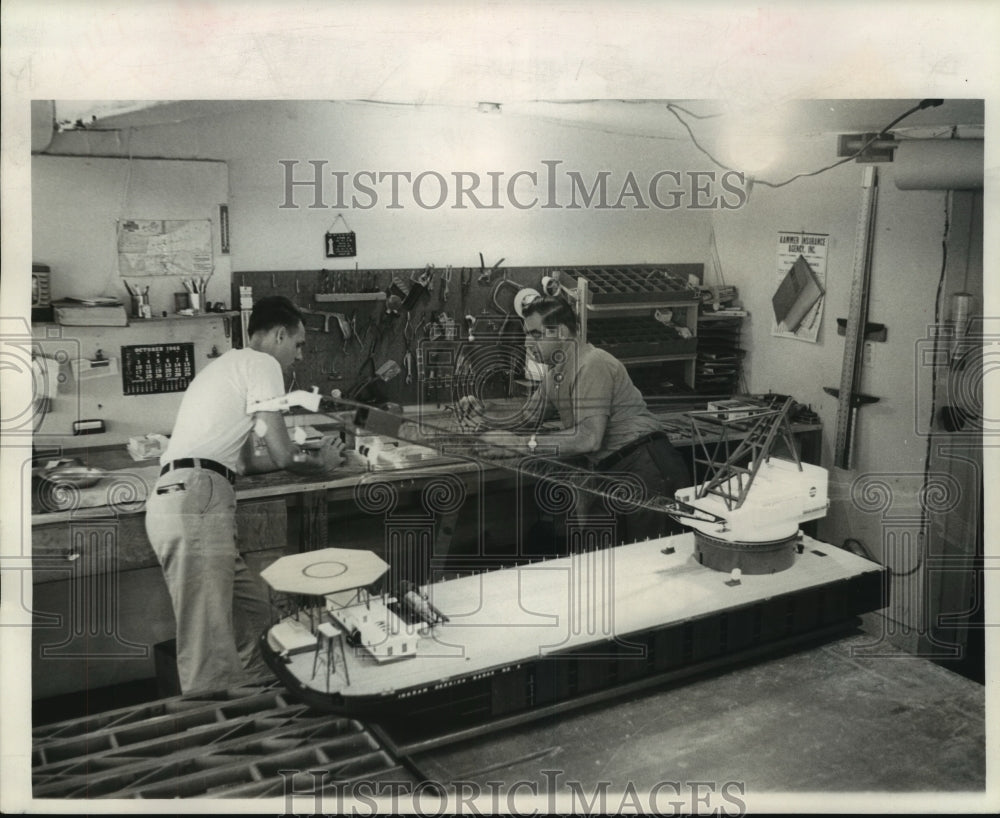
<point>259,742</point>
<point>243,742</point>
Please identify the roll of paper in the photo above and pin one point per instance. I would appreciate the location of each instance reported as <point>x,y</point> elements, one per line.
<point>939,164</point>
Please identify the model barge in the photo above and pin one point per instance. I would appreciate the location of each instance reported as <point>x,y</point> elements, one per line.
<point>495,644</point>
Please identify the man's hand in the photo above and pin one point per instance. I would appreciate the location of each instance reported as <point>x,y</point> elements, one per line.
<point>470,412</point>
<point>322,458</point>
<point>507,440</point>
<point>330,454</point>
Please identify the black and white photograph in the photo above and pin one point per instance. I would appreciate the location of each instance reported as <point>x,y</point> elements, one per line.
<point>481,407</point>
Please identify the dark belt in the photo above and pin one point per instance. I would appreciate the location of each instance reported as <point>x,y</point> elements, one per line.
<point>199,463</point>
<point>619,455</point>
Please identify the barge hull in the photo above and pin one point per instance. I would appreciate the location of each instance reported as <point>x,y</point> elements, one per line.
<point>723,628</point>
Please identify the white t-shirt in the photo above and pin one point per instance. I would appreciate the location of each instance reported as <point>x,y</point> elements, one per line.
<point>216,415</point>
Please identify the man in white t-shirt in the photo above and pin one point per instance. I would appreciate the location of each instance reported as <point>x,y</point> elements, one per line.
<point>220,605</point>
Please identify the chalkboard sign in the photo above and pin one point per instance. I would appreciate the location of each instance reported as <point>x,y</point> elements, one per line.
<point>340,245</point>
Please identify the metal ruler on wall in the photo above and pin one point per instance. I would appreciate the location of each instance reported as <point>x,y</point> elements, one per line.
<point>849,398</point>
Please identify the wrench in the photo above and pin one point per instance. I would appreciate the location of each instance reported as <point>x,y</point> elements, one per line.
<point>445,285</point>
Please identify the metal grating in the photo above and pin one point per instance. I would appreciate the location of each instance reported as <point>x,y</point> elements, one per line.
<point>242,743</point>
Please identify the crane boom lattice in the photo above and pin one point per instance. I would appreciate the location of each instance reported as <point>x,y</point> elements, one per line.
<point>730,450</point>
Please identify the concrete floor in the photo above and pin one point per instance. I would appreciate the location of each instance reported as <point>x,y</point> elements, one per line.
<point>826,719</point>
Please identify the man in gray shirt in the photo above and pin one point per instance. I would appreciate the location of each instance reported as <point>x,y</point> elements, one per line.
<point>603,417</point>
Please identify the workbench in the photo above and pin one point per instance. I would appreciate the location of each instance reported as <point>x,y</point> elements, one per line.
<point>100,603</point>
<point>839,716</point>
<point>99,599</point>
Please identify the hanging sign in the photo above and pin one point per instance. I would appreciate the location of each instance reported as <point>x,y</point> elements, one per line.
<point>800,285</point>
<point>340,245</point>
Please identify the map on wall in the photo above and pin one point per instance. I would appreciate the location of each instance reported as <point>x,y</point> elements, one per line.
<point>164,247</point>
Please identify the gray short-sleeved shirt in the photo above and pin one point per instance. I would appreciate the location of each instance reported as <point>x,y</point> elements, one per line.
<point>600,385</point>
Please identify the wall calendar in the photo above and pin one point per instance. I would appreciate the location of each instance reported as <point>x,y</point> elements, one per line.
<point>150,369</point>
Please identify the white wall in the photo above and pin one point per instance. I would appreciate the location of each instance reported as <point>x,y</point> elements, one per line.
<point>76,204</point>
<point>103,397</point>
<point>891,442</point>
<point>356,136</point>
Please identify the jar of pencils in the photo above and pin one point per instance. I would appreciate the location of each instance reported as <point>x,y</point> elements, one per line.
<point>140,305</point>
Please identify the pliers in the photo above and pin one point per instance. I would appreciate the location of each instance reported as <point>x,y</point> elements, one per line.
<point>465,279</point>
<point>425,278</point>
<point>408,350</point>
<point>486,275</point>
<point>445,286</point>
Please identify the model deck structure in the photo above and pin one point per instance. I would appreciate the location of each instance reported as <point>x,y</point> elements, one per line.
<point>534,634</point>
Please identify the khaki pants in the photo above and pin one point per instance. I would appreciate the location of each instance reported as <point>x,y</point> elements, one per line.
<point>220,605</point>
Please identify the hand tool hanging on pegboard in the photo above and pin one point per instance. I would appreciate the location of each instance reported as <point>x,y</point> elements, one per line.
<point>486,274</point>
<point>346,330</point>
<point>465,280</point>
<point>445,290</point>
<point>408,349</point>
<point>420,283</point>
<point>386,320</point>
<point>327,316</point>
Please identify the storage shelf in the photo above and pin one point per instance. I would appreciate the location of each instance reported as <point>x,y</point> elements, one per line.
<point>379,296</point>
<point>631,285</point>
<point>652,359</point>
<point>175,317</point>
<point>636,307</point>
<point>711,316</point>
<point>138,322</point>
<point>604,311</point>
<point>720,355</point>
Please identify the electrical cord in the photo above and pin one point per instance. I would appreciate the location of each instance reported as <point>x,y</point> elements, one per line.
<point>934,378</point>
<point>926,103</point>
<point>855,546</point>
<point>923,533</point>
<point>690,113</point>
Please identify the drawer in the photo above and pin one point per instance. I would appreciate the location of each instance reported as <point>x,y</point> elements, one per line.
<point>262,526</point>
<point>90,546</point>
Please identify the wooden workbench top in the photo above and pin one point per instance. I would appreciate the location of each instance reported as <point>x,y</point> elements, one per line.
<point>128,483</point>
<point>124,489</point>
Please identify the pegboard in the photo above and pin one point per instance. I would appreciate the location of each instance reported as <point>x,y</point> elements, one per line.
<point>357,320</point>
